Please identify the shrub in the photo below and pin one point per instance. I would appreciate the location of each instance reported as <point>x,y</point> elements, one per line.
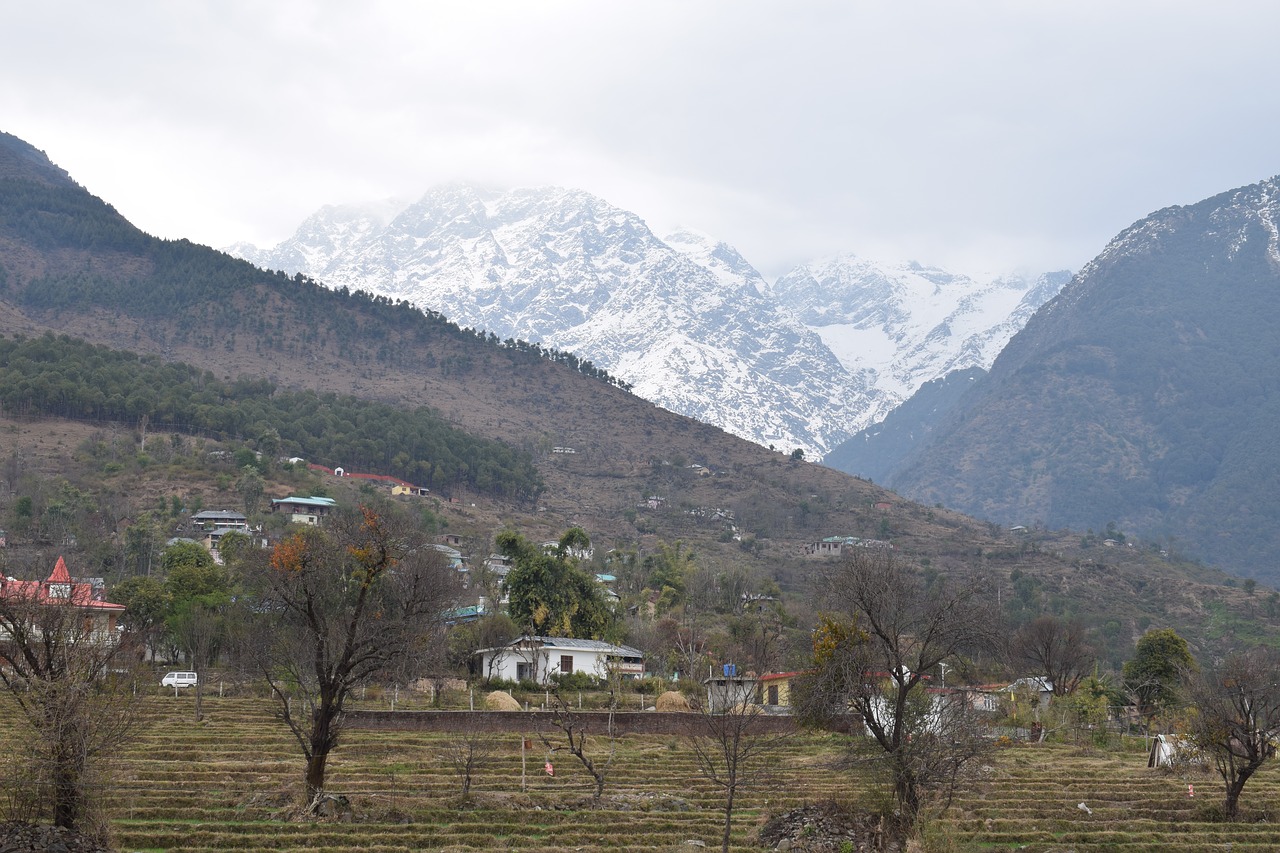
<point>571,681</point>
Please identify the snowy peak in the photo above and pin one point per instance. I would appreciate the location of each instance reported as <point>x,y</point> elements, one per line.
<point>686,320</point>
<point>687,325</point>
<point>908,323</point>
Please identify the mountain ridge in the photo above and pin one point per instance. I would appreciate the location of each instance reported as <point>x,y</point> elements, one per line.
<point>685,319</point>
<point>1144,394</point>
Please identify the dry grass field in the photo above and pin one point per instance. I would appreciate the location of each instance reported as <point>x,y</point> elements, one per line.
<point>233,782</point>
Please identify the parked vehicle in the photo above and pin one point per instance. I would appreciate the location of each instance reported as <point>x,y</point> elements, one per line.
<point>179,679</point>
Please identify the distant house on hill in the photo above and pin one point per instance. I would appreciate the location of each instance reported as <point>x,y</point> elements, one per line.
<point>304,510</point>
<point>220,519</point>
<point>834,546</point>
<point>538,658</point>
<point>101,617</point>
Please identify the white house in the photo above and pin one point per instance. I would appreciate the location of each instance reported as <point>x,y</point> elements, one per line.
<point>537,658</point>
<point>304,510</point>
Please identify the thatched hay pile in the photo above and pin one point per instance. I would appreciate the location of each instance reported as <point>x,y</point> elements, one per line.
<point>673,701</point>
<point>500,700</point>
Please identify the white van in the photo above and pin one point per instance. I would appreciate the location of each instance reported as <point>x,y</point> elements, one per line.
<point>179,679</point>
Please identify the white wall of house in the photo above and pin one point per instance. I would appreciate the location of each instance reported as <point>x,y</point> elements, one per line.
<point>538,661</point>
<point>538,664</point>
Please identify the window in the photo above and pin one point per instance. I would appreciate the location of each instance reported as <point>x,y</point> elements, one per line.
<point>523,671</point>
<point>566,664</point>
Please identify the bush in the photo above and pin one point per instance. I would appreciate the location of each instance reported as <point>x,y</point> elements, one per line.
<point>645,686</point>
<point>506,685</point>
<point>572,681</point>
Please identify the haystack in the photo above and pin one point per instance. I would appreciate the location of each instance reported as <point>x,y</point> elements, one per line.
<point>673,700</point>
<point>500,700</point>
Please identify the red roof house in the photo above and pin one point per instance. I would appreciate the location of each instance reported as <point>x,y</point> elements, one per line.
<point>61,588</point>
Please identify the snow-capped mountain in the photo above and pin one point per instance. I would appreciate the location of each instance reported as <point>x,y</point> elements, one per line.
<point>907,324</point>
<point>686,320</point>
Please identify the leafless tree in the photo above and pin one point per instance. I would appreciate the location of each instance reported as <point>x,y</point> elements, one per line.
<point>575,727</point>
<point>898,629</point>
<point>1059,650</point>
<point>733,751</point>
<point>336,607</point>
<point>1237,719</point>
<point>690,642</point>
<point>66,675</point>
<point>467,751</point>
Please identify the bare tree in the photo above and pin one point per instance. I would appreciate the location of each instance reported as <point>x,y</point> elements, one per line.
<point>897,628</point>
<point>732,751</point>
<point>1237,717</point>
<point>575,727</point>
<point>338,606</point>
<point>64,670</point>
<point>467,751</point>
<point>1059,650</point>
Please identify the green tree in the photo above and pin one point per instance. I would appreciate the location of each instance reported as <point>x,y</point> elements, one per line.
<point>668,571</point>
<point>548,594</point>
<point>147,603</point>
<point>250,485</point>
<point>1159,664</point>
<point>142,544</point>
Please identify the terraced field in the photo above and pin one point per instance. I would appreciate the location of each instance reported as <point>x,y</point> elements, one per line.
<point>233,781</point>
<point>1033,796</point>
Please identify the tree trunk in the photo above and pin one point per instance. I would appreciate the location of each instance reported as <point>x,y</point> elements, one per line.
<point>907,792</point>
<point>1231,805</point>
<point>728,817</point>
<point>321,744</point>
<point>315,774</point>
<point>68,798</point>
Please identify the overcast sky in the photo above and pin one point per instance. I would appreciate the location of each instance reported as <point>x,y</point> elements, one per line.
<point>972,134</point>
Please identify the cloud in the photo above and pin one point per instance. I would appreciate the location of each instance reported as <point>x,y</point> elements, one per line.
<point>985,134</point>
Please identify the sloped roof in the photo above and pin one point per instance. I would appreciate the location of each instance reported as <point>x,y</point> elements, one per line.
<point>60,573</point>
<point>81,594</point>
<point>313,501</point>
<point>571,644</point>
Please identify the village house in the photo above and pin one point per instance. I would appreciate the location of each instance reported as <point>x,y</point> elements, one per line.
<point>727,689</point>
<point>304,510</point>
<point>774,690</point>
<point>535,658</point>
<point>86,594</point>
<point>220,519</point>
<point>834,546</point>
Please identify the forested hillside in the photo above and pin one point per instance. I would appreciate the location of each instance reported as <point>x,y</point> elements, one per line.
<point>66,378</point>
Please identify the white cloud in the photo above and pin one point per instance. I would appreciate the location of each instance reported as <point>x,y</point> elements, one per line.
<point>983,134</point>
